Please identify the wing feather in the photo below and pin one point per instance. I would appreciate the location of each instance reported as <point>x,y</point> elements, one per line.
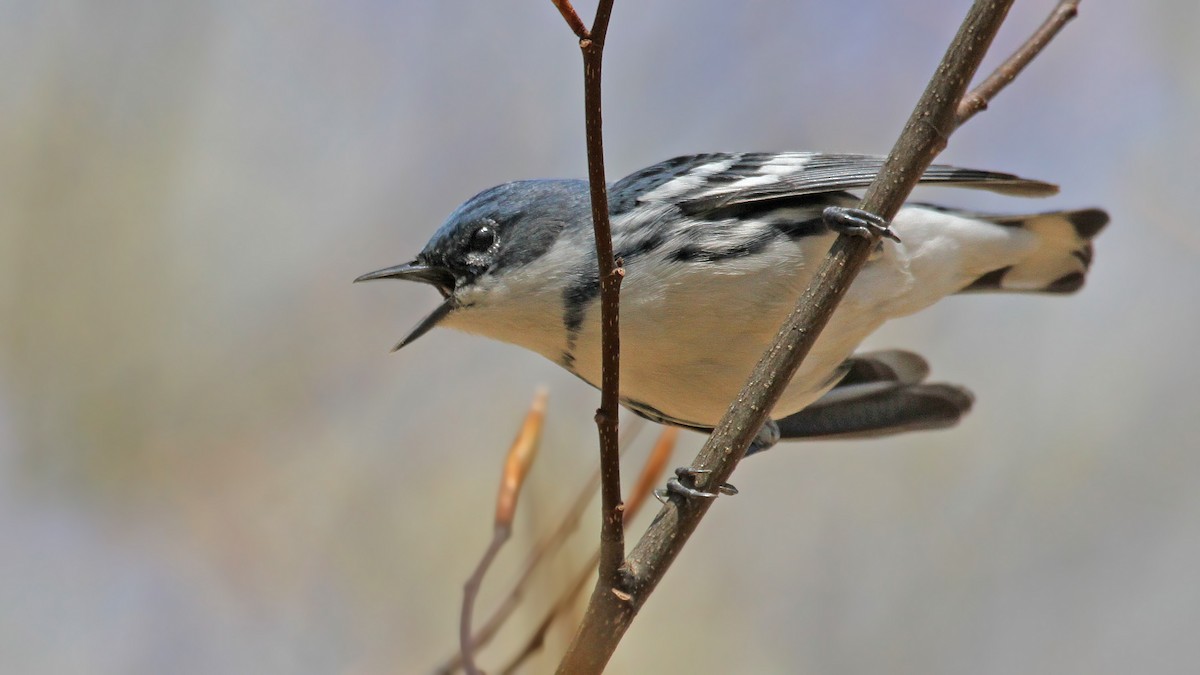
<point>699,183</point>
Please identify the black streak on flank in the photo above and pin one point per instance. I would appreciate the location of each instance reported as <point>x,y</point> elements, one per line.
<point>636,249</point>
<point>697,253</point>
<point>577,296</point>
<point>653,414</point>
<point>799,229</point>
<point>740,204</point>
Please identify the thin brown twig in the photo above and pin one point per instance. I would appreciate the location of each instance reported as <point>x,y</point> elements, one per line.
<point>541,551</point>
<point>650,476</point>
<point>516,467</point>
<point>520,460</point>
<point>600,22</point>
<point>1006,72</point>
<point>933,120</point>
<point>572,18</point>
<point>612,531</point>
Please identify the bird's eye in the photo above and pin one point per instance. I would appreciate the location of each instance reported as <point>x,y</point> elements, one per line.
<point>482,238</point>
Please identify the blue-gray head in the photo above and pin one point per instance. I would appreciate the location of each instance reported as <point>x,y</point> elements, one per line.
<point>490,237</point>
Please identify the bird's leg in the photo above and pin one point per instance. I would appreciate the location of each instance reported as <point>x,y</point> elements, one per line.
<point>694,478</point>
<point>857,222</point>
<point>766,439</point>
<point>767,436</point>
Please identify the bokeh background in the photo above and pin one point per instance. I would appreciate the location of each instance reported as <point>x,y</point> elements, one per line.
<point>209,462</point>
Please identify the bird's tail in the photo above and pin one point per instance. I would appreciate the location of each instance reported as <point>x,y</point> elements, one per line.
<point>1057,263</point>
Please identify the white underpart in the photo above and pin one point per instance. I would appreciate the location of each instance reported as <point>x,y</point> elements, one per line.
<point>691,332</point>
<point>525,310</point>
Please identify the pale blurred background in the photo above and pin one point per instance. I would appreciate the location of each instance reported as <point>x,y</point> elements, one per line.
<point>210,463</point>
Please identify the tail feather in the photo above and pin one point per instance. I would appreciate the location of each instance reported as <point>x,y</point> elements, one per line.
<point>1060,261</point>
<point>878,394</point>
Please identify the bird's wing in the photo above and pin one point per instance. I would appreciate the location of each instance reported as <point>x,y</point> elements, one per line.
<point>699,183</point>
<point>881,393</point>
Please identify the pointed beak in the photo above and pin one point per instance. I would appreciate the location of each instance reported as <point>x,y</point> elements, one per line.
<point>438,277</point>
<point>427,323</point>
<point>415,271</point>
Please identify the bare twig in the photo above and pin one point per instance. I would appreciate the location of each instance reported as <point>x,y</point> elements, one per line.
<point>547,545</point>
<point>924,136</point>
<point>1006,72</point>
<point>650,476</point>
<point>520,459</point>
<point>612,531</point>
<point>572,18</point>
<point>516,468</point>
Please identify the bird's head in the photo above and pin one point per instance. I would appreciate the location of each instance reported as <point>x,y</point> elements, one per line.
<point>474,259</point>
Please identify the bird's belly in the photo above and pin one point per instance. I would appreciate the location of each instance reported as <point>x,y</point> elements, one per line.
<point>693,376</point>
<point>688,348</point>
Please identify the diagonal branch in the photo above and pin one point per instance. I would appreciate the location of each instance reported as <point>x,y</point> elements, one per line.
<point>928,129</point>
<point>572,18</point>
<point>1006,72</point>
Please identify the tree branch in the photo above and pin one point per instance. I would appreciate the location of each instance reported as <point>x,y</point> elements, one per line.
<point>612,531</point>
<point>1006,72</point>
<point>572,18</point>
<point>935,117</point>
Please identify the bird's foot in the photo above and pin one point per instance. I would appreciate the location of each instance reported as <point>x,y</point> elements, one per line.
<point>694,478</point>
<point>857,223</point>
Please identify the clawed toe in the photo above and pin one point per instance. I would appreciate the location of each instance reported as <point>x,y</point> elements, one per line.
<point>677,486</point>
<point>857,222</point>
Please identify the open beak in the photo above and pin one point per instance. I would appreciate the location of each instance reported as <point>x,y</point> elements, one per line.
<point>441,278</point>
<point>438,277</point>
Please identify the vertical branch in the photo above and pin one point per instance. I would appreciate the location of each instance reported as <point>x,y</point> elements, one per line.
<point>651,475</point>
<point>926,133</point>
<point>546,546</point>
<point>612,531</point>
<point>612,536</point>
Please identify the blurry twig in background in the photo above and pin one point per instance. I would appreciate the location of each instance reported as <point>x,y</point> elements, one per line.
<point>651,475</point>
<point>547,545</point>
<point>934,118</point>
<point>651,471</point>
<point>516,468</point>
<point>612,533</point>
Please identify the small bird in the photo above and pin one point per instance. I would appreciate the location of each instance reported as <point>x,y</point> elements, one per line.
<point>717,249</point>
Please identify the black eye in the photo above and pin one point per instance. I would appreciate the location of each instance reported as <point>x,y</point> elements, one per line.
<point>482,238</point>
